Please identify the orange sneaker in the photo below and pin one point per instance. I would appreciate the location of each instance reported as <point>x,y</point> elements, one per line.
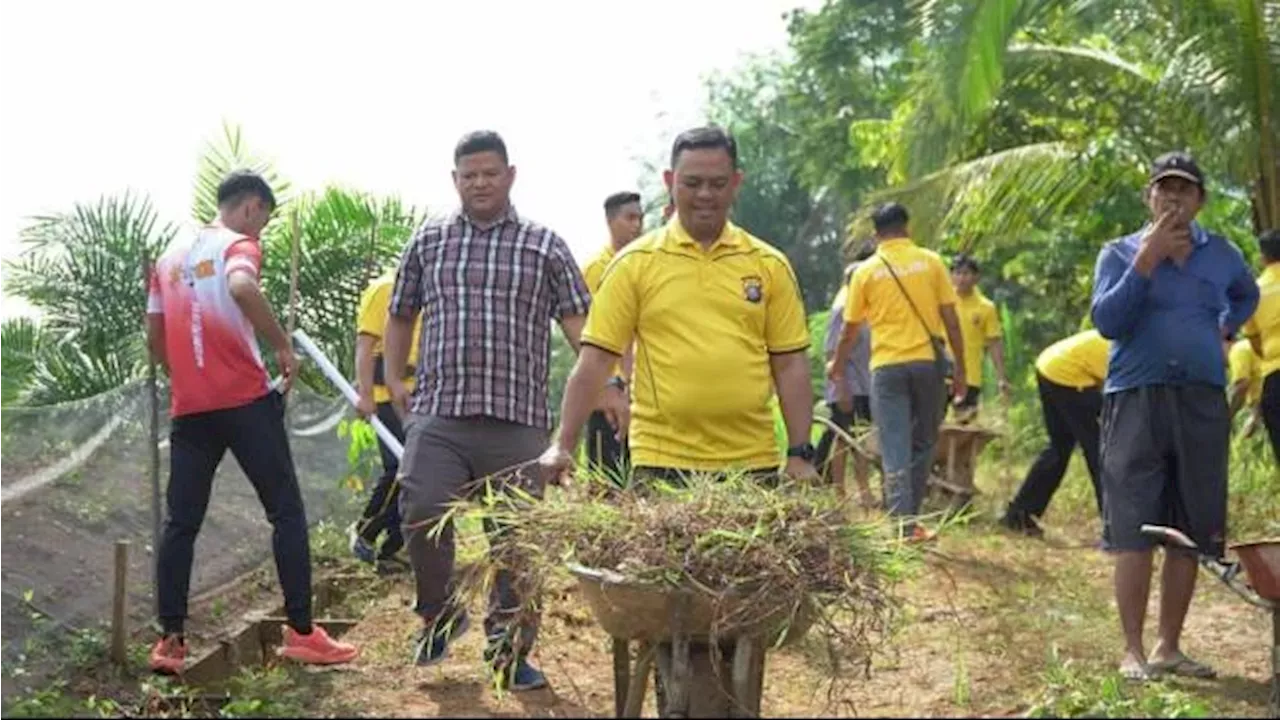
<point>317,648</point>
<point>169,655</point>
<point>920,535</point>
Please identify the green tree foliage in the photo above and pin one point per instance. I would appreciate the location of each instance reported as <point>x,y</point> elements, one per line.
<point>82,270</point>
<point>773,203</point>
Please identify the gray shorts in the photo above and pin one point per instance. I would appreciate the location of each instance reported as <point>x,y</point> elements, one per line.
<point>1164,461</point>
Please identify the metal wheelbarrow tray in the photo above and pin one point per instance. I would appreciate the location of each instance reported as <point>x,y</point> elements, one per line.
<point>630,610</point>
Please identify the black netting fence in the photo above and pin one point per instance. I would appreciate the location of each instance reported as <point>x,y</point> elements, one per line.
<point>76,478</point>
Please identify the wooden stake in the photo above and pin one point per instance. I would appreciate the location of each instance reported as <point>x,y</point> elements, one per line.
<point>295,242</point>
<point>153,435</point>
<point>119,600</point>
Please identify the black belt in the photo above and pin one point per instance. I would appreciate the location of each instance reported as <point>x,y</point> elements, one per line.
<point>380,372</point>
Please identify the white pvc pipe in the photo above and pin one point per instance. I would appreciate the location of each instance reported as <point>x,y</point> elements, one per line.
<point>345,388</point>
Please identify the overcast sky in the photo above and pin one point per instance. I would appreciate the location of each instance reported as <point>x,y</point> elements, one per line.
<point>103,97</point>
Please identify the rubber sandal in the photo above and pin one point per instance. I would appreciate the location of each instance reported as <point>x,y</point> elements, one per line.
<point>1140,673</point>
<point>1183,666</point>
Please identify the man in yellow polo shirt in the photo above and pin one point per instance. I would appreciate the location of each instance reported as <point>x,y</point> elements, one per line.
<point>717,323</point>
<point>1245,390</point>
<point>625,217</point>
<point>1070,374</point>
<point>904,293</point>
<point>382,512</point>
<point>1263,332</point>
<point>980,326</point>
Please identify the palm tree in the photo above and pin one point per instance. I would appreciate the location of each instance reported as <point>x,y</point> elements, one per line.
<point>1200,74</point>
<point>83,270</point>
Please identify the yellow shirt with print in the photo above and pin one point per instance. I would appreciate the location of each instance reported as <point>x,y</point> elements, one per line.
<point>1078,362</point>
<point>593,273</point>
<point>1246,365</point>
<point>979,325</point>
<point>1265,323</point>
<point>704,323</point>
<point>372,320</point>
<point>897,335</point>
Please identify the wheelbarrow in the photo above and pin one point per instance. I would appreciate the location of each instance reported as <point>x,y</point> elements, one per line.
<point>673,627</point>
<point>955,459</point>
<point>1260,585</point>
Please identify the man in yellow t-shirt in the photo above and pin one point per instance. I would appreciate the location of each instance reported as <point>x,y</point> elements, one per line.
<point>904,294</point>
<point>980,326</point>
<point>382,512</point>
<point>1263,332</point>
<point>1070,374</point>
<point>705,304</point>
<point>1245,390</point>
<point>625,218</point>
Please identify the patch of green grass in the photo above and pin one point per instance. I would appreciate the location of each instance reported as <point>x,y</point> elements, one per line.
<point>271,692</point>
<point>56,701</point>
<point>1074,690</point>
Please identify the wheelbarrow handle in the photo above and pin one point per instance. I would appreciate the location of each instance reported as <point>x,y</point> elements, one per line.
<point>1172,534</point>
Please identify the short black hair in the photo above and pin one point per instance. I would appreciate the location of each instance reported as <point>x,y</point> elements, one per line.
<point>614,202</point>
<point>708,137</point>
<point>1269,243</point>
<point>480,141</point>
<point>241,185</point>
<point>965,261</point>
<point>890,217</point>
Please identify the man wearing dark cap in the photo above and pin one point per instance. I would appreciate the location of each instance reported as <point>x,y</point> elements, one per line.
<point>1167,297</point>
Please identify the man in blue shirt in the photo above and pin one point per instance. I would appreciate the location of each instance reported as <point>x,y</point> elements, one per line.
<point>1167,297</point>
<point>849,401</point>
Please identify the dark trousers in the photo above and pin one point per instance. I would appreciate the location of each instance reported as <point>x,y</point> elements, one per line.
<point>607,455</point>
<point>443,460</point>
<point>255,434</point>
<point>861,414</point>
<point>1271,411</point>
<point>382,512</point>
<point>1071,417</point>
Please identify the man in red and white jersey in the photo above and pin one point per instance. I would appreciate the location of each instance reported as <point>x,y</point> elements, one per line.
<point>203,309</point>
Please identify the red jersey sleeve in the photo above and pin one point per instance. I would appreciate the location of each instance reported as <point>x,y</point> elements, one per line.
<point>155,305</point>
<point>244,255</point>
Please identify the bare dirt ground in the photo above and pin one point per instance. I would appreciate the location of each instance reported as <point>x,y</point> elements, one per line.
<point>987,619</point>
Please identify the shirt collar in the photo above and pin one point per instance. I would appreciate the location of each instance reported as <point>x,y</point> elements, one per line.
<point>510,215</point>
<point>676,234</point>
<point>894,242</point>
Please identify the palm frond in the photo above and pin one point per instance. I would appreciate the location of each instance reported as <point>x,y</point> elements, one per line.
<point>221,157</point>
<point>1082,54</point>
<point>19,342</point>
<point>82,270</point>
<point>1003,194</point>
<point>346,238</point>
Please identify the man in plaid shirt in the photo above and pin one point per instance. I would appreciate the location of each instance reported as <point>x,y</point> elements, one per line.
<point>488,284</point>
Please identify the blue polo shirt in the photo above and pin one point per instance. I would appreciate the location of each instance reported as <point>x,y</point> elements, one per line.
<point>1168,329</point>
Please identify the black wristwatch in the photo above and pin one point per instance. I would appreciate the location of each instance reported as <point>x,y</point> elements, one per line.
<point>804,452</point>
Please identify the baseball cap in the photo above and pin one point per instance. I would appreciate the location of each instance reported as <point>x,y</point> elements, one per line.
<point>1176,164</point>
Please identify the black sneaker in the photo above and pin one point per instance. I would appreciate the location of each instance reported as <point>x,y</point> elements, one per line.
<point>1021,523</point>
<point>431,644</point>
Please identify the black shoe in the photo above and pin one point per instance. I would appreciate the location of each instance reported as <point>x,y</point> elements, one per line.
<point>1021,523</point>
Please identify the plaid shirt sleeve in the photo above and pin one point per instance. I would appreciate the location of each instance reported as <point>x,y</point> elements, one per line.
<point>569,293</point>
<point>406,297</point>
